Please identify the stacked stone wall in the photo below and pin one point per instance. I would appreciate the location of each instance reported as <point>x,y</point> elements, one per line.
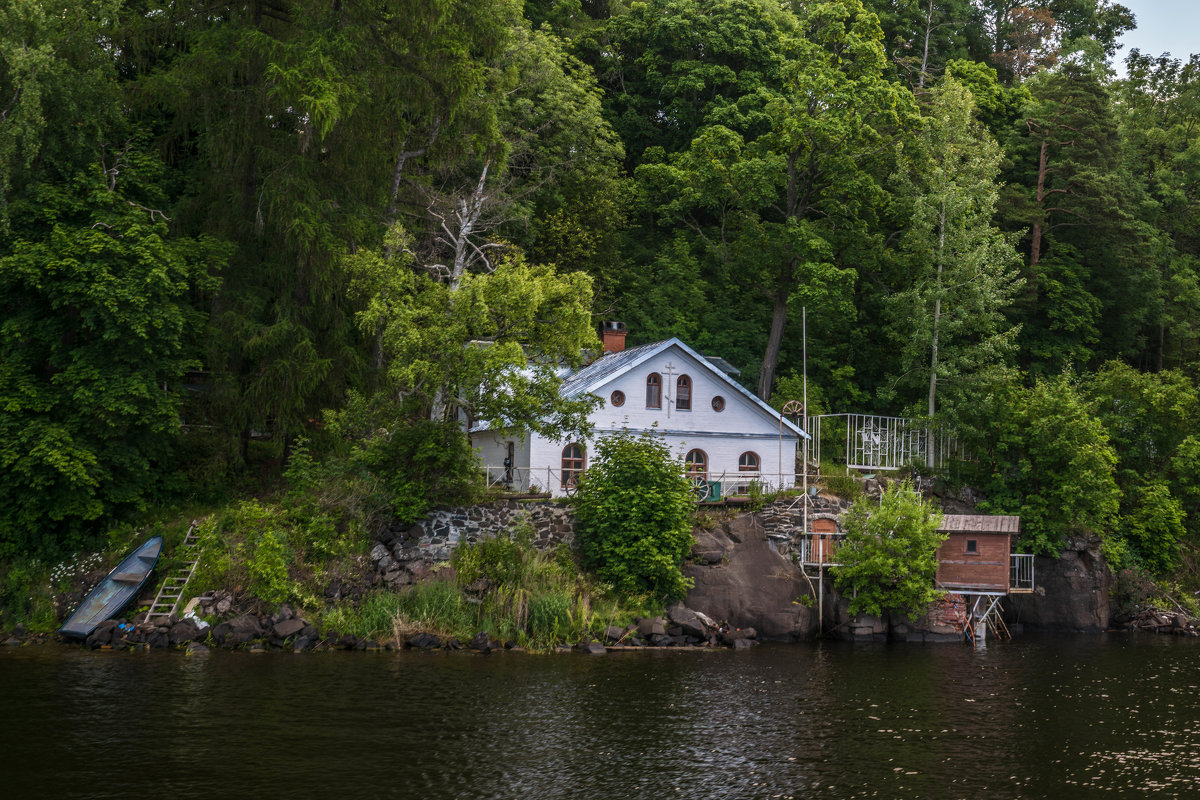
<point>435,537</point>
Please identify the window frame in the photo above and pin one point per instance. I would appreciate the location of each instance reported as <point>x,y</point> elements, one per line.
<point>757,462</point>
<point>654,390</point>
<point>683,393</point>
<point>690,465</point>
<point>572,465</point>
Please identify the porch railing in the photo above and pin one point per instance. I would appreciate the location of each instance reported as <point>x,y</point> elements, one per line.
<point>1021,572</point>
<point>524,480</point>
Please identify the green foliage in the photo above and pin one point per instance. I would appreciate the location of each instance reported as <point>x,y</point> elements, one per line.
<point>95,335</point>
<point>633,516</point>
<point>889,554</point>
<point>845,486</point>
<point>274,552</point>
<point>501,559</point>
<point>538,599</point>
<point>1046,457</point>
<point>1153,527</point>
<point>948,323</point>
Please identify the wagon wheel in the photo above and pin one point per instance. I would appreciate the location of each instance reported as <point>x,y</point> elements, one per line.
<point>699,487</point>
<point>570,485</point>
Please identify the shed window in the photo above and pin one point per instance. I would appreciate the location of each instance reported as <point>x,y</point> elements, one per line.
<point>683,393</point>
<point>748,462</point>
<point>653,390</point>
<point>972,545</point>
<point>572,465</point>
<point>696,462</point>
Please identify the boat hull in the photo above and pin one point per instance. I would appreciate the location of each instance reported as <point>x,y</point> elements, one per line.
<point>114,592</point>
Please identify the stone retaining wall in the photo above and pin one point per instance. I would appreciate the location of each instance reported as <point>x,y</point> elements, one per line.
<point>435,537</point>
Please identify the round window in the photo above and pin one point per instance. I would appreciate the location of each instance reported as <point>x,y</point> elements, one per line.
<point>617,398</point>
<point>718,403</point>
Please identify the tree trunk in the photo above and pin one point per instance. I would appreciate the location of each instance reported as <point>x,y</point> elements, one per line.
<point>925,52</point>
<point>771,357</point>
<point>1035,247</point>
<point>937,318</point>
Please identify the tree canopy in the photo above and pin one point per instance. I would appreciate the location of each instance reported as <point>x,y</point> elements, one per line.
<point>226,228</point>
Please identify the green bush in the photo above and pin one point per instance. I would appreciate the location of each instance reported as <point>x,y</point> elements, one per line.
<point>502,559</point>
<point>844,486</point>
<point>889,555</point>
<point>633,516</point>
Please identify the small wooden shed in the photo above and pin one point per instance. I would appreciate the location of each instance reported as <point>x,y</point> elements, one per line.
<point>976,557</point>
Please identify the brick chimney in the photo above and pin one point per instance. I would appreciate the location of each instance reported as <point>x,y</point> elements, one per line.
<point>612,334</point>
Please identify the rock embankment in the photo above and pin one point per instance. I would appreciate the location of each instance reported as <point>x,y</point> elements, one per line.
<point>287,630</point>
<point>1173,623</point>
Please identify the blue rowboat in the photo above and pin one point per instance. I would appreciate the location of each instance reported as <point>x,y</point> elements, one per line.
<point>115,591</point>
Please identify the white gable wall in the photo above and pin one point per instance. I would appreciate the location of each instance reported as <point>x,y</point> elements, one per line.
<point>723,435</point>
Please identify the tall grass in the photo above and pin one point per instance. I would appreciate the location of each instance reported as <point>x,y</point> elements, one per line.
<point>502,586</point>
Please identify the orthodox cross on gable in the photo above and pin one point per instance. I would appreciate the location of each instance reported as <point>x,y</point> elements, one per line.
<point>668,372</point>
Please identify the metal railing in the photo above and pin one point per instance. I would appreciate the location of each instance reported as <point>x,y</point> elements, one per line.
<point>524,480</point>
<point>882,443</point>
<point>1021,572</point>
<point>819,549</point>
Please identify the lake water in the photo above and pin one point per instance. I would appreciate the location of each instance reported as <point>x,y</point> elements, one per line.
<point>1066,717</point>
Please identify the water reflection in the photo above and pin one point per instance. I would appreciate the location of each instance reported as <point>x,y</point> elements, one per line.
<point>1059,718</point>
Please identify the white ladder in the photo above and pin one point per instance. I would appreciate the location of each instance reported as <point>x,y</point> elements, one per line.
<point>167,600</point>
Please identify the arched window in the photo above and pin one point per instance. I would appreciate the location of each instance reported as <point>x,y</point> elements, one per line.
<point>654,390</point>
<point>572,465</point>
<point>683,393</point>
<point>696,462</point>
<point>748,462</point>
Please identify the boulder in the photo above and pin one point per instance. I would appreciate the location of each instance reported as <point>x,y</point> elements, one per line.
<point>288,627</point>
<point>592,648</point>
<point>686,620</point>
<point>613,634</point>
<point>378,552</point>
<point>754,586</point>
<point>185,631</point>
<point>424,641</point>
<point>481,642</point>
<point>1072,592</point>
<point>651,627</point>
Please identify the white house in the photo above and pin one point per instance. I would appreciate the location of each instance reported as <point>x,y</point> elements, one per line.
<point>726,435</point>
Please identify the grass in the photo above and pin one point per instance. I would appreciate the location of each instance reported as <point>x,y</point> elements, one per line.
<point>502,586</point>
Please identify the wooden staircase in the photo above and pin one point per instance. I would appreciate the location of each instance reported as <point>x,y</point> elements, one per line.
<point>168,597</point>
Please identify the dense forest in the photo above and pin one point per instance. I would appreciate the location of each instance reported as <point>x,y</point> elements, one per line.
<point>239,239</point>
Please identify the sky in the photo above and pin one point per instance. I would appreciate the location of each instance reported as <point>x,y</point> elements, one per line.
<point>1162,26</point>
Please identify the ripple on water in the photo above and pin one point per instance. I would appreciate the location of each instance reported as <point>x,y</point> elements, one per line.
<point>1034,718</point>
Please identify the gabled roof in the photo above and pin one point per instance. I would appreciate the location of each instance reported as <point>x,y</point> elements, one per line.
<point>613,365</point>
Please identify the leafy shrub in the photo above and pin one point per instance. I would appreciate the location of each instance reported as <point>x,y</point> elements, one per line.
<point>844,486</point>
<point>633,513</point>
<point>500,560</point>
<point>889,555</point>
